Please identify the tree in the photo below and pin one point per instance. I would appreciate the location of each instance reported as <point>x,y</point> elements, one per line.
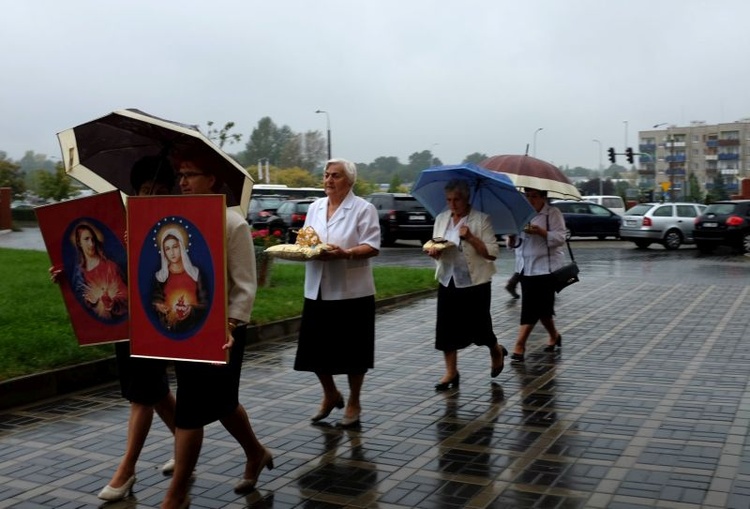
<point>476,158</point>
<point>267,141</point>
<point>56,186</point>
<point>418,161</point>
<point>11,176</point>
<point>396,185</point>
<point>381,169</point>
<point>307,150</point>
<point>694,192</point>
<point>297,177</point>
<point>221,136</point>
<point>718,190</point>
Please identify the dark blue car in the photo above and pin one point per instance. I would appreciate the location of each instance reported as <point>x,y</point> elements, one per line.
<point>584,219</point>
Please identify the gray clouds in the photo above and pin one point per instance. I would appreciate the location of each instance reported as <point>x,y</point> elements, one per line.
<point>395,76</point>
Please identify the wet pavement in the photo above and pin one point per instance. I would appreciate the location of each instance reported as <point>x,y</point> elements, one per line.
<point>645,405</point>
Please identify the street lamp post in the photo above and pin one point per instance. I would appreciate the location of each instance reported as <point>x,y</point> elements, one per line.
<point>534,145</point>
<point>601,177</point>
<point>328,130</point>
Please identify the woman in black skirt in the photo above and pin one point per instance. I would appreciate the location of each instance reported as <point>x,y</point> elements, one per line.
<point>464,271</point>
<point>340,283</point>
<point>539,251</point>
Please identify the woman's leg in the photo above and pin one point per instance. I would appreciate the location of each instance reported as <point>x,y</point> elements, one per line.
<point>353,406</point>
<point>451,365</point>
<point>549,324</point>
<point>139,424</point>
<point>238,425</point>
<point>165,409</point>
<point>331,394</point>
<point>497,356</point>
<point>524,331</point>
<point>187,448</point>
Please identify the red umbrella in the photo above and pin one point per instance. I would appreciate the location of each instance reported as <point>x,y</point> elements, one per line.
<point>526,171</point>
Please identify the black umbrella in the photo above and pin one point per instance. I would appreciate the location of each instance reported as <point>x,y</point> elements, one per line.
<point>100,153</point>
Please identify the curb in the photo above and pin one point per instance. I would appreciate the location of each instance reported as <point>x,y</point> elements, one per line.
<point>57,382</point>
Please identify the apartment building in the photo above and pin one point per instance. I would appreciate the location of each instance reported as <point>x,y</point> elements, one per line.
<point>669,153</point>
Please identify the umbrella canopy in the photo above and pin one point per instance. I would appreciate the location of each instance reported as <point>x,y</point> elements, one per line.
<point>491,192</point>
<point>100,153</point>
<point>526,171</point>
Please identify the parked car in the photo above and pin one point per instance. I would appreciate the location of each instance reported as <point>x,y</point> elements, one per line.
<point>261,209</point>
<point>613,203</point>
<point>585,219</point>
<point>290,217</point>
<point>724,223</point>
<point>401,217</point>
<point>668,224</point>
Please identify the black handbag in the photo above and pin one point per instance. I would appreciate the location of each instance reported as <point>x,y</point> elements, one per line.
<point>567,274</point>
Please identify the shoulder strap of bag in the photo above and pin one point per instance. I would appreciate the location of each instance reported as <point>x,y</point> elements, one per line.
<point>567,242</point>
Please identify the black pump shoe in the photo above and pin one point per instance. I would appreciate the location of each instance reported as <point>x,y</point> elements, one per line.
<point>453,382</point>
<point>496,371</point>
<point>558,344</point>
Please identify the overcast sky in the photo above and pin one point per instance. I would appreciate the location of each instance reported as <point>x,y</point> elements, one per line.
<point>395,76</point>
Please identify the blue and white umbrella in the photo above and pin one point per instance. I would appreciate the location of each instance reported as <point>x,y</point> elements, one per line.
<point>491,192</point>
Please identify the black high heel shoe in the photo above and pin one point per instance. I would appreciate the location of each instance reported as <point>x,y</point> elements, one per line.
<point>516,357</point>
<point>325,412</point>
<point>453,382</point>
<point>558,344</point>
<point>496,371</point>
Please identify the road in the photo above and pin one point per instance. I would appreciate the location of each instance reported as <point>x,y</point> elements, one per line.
<point>595,257</point>
<point>602,257</point>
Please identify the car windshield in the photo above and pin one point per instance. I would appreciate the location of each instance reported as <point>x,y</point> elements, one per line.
<point>639,209</point>
<point>720,208</point>
<point>269,203</point>
<point>408,204</point>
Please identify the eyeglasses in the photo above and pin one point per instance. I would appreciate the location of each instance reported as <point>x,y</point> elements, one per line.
<point>187,175</point>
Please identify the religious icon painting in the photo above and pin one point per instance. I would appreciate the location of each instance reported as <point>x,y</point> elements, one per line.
<point>85,238</point>
<point>177,267</point>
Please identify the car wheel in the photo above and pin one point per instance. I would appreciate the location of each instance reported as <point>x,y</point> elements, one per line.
<point>705,248</point>
<point>385,238</point>
<point>746,243</point>
<point>672,240</point>
<point>642,244</point>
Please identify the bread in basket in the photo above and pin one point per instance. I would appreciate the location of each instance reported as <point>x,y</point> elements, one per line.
<point>438,243</point>
<point>307,247</point>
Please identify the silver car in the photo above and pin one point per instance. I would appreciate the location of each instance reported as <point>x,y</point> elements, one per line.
<point>668,224</point>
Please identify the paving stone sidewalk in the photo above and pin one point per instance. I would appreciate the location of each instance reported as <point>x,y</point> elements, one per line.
<point>646,405</point>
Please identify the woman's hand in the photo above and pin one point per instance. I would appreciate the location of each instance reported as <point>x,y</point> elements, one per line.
<point>230,340</point>
<point>55,273</point>
<point>434,252</point>
<point>334,253</point>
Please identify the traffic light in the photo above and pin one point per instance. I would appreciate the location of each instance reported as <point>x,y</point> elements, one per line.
<point>629,155</point>
<point>611,156</point>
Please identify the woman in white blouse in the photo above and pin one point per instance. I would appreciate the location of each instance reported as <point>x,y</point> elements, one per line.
<point>340,284</point>
<point>464,273</point>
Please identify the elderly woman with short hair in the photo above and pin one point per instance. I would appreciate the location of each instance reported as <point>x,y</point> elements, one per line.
<point>340,284</point>
<point>464,273</point>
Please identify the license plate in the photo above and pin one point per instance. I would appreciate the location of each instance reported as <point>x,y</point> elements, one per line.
<point>418,217</point>
<point>710,225</point>
<point>630,222</point>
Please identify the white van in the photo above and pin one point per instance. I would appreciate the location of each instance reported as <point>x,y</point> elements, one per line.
<point>613,203</point>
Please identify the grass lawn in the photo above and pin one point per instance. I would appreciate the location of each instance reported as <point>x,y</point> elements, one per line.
<point>36,335</point>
